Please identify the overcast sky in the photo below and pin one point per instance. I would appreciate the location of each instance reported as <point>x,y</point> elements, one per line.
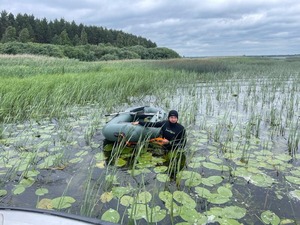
<point>190,27</point>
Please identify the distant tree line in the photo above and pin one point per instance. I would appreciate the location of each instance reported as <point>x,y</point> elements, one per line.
<point>27,28</point>
<point>25,34</point>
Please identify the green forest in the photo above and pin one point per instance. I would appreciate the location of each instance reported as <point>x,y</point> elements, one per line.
<point>25,34</point>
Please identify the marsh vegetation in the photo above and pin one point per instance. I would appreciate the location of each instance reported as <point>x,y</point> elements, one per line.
<point>242,158</point>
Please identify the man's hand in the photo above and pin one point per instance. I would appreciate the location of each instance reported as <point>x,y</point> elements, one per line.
<point>165,141</point>
<point>135,123</point>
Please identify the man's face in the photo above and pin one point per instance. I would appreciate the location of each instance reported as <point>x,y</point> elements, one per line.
<point>173,119</point>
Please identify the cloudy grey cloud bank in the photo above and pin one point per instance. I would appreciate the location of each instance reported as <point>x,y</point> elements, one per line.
<point>190,27</point>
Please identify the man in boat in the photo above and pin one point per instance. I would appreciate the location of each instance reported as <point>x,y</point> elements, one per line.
<point>173,135</point>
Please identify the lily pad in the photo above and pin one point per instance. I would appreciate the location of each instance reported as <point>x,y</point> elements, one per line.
<point>111,215</point>
<point>136,172</point>
<point>192,178</point>
<point>195,164</point>
<point>292,179</point>
<point>222,195</point>
<point>287,222</point>
<point>144,163</point>
<point>253,170</point>
<point>216,198</point>
<point>225,192</point>
<point>45,203</point>
<point>275,161</point>
<point>215,211</point>
<point>126,200</point>
<point>144,197</point>
<point>163,177</point>
<point>156,214</point>
<point>140,211</point>
<point>192,216</point>
<point>165,196</point>
<point>202,192</point>
<point>106,197</point>
<point>295,194</point>
<point>27,182</point>
<point>269,217</point>
<point>228,221</point>
<point>170,202</point>
<point>108,147</point>
<point>62,202</point>
<point>48,162</point>
<point>283,157</point>
<point>242,172</point>
<point>212,180</point>
<point>215,160</point>
<point>120,162</point>
<point>101,164</point>
<point>227,215</point>
<point>184,199</point>
<point>75,160</point>
<point>158,160</point>
<point>41,191</point>
<point>99,156</point>
<point>296,172</point>
<point>31,173</point>
<point>23,165</point>
<point>19,189</point>
<point>160,169</point>
<point>120,191</point>
<point>3,193</point>
<point>111,179</point>
<point>261,180</point>
<point>198,159</point>
<point>81,153</point>
<point>234,212</point>
<point>214,166</point>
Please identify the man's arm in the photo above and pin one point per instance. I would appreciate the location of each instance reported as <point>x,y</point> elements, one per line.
<point>180,140</point>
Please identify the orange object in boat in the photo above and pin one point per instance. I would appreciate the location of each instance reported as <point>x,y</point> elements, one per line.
<point>158,141</point>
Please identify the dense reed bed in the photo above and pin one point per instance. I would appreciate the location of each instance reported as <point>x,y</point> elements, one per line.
<point>241,165</point>
<point>45,86</point>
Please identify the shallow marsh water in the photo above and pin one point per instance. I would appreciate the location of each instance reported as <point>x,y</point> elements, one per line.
<point>242,161</point>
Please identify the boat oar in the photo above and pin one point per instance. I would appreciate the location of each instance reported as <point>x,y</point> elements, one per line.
<point>132,113</point>
<point>118,113</point>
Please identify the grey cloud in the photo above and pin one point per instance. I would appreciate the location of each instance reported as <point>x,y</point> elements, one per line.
<point>190,27</point>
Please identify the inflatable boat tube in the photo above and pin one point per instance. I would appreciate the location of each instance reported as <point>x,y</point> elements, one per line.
<point>24,216</point>
<point>120,125</point>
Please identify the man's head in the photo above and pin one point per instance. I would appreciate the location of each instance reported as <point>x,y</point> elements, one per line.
<point>173,116</point>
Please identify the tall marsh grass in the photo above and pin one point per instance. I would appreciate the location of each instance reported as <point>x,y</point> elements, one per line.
<point>42,93</point>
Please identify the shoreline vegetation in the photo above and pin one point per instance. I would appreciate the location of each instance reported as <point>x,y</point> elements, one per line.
<point>25,34</point>
<point>88,52</point>
<point>242,116</point>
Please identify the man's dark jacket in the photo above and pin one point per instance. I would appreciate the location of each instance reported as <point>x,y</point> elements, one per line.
<point>174,132</point>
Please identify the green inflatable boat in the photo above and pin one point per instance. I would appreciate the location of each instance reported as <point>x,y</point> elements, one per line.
<point>120,125</point>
